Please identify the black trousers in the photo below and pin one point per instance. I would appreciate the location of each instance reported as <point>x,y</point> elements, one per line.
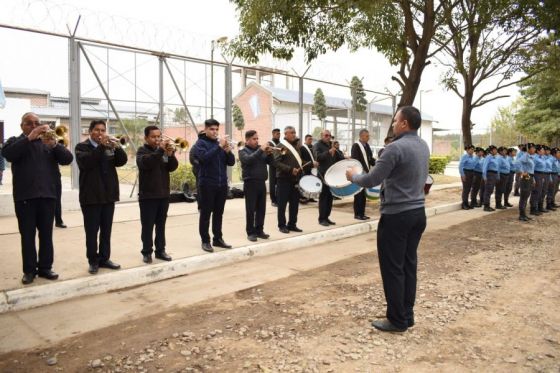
<point>537,191</point>
<point>489,183</point>
<point>212,203</point>
<point>398,236</point>
<point>360,203</point>
<point>500,188</point>
<point>98,219</point>
<point>272,182</point>
<point>551,198</point>
<point>33,215</point>
<point>255,206</point>
<point>287,192</point>
<point>476,184</point>
<point>325,203</point>
<point>509,187</point>
<point>153,212</point>
<point>482,189</point>
<point>517,183</point>
<point>467,185</point>
<point>58,205</point>
<point>525,186</point>
<point>546,183</point>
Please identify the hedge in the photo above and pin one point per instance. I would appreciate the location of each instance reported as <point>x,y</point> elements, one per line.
<point>183,174</point>
<point>437,164</point>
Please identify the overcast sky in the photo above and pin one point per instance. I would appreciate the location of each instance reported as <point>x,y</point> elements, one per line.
<point>187,27</point>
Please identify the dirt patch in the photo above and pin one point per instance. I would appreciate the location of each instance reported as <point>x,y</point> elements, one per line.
<point>488,296</point>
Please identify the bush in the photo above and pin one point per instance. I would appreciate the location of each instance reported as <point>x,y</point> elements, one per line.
<point>437,164</point>
<point>183,174</point>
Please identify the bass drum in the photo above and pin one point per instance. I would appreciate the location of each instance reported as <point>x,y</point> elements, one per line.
<point>335,178</point>
<point>373,193</point>
<point>310,186</point>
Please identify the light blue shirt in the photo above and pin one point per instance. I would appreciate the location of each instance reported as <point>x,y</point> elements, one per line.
<point>539,163</point>
<point>503,165</point>
<point>466,163</point>
<point>95,145</point>
<point>526,163</point>
<point>491,163</point>
<point>512,164</point>
<point>478,164</point>
<point>556,166</point>
<point>548,163</point>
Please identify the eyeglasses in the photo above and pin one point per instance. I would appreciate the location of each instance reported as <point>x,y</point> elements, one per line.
<point>32,123</point>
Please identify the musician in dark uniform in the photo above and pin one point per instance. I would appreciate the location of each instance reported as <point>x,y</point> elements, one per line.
<point>272,169</point>
<point>35,158</point>
<point>288,164</point>
<point>97,158</point>
<point>155,160</point>
<point>327,155</point>
<point>367,161</point>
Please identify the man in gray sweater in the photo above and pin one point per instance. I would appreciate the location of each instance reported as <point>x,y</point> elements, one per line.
<point>403,170</point>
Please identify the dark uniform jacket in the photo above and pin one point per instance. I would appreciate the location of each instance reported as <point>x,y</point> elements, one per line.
<point>34,167</point>
<point>154,172</point>
<point>325,159</point>
<point>213,162</point>
<point>99,182</point>
<point>285,162</point>
<point>356,153</point>
<point>253,163</point>
<point>306,157</point>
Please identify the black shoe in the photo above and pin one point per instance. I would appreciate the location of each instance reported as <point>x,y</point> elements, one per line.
<point>312,200</point>
<point>478,205</point>
<point>331,222</point>
<point>551,208</point>
<point>294,229</point>
<point>274,204</point>
<point>410,322</point>
<point>109,264</point>
<point>162,255</point>
<point>27,278</point>
<point>263,235</point>
<point>324,223</point>
<point>543,210</point>
<point>523,218</point>
<point>60,225</point>
<point>464,206</point>
<point>93,268</point>
<point>220,243</point>
<point>472,205</point>
<point>303,201</point>
<point>147,258</point>
<point>386,326</point>
<point>516,194</point>
<point>284,230</point>
<point>207,247</point>
<point>357,217</point>
<point>500,207</point>
<point>252,237</point>
<point>535,212</point>
<point>488,209</point>
<point>49,274</point>
<point>507,204</point>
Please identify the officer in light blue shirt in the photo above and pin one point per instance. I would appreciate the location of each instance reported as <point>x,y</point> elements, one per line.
<point>477,182</point>
<point>555,177</point>
<point>526,167</point>
<point>503,169</point>
<point>510,157</point>
<point>522,150</point>
<point>490,174</point>
<point>466,167</point>
<point>540,175</point>
<point>552,177</point>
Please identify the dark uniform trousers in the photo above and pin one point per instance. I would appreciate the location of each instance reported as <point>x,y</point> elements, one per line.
<point>398,236</point>
<point>482,189</point>
<point>212,203</point>
<point>255,206</point>
<point>509,187</point>
<point>476,184</point>
<point>517,183</point>
<point>467,185</point>
<point>537,191</point>
<point>546,183</point>
<point>555,184</point>
<point>58,205</point>
<point>500,188</point>
<point>491,179</point>
<point>98,219</point>
<point>525,186</point>
<point>272,182</point>
<point>325,203</point>
<point>360,203</point>
<point>33,215</point>
<point>286,192</point>
<point>153,212</point>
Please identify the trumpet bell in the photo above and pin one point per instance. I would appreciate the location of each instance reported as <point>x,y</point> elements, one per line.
<point>61,130</point>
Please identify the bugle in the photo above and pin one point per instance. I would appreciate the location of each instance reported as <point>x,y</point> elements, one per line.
<point>176,143</point>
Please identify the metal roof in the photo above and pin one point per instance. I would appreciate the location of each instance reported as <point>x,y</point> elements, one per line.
<point>26,91</point>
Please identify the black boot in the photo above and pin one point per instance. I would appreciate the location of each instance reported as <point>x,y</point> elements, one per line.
<point>550,207</point>
<point>464,206</point>
<point>507,204</point>
<point>499,206</point>
<point>487,208</point>
<point>522,216</point>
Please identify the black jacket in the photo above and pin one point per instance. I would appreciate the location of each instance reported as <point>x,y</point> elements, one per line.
<point>306,157</point>
<point>356,153</point>
<point>34,167</point>
<point>285,162</point>
<point>99,182</point>
<point>325,159</point>
<point>253,163</point>
<point>213,162</point>
<point>154,172</point>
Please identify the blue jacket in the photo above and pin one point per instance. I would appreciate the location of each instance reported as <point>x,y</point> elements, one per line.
<point>491,163</point>
<point>467,162</point>
<point>213,162</point>
<point>503,165</point>
<point>539,163</point>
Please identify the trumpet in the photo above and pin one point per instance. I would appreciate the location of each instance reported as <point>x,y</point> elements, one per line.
<point>230,142</point>
<point>59,134</point>
<point>175,143</point>
<point>282,150</point>
<point>119,140</point>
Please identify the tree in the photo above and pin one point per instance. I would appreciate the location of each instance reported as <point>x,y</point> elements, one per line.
<point>489,40</point>
<point>400,29</point>
<point>359,101</point>
<point>238,120</point>
<point>180,115</point>
<point>135,129</point>
<point>317,132</point>
<point>504,128</point>
<point>319,105</point>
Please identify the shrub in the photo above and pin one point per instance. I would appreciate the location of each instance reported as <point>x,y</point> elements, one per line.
<point>437,164</point>
<point>183,174</point>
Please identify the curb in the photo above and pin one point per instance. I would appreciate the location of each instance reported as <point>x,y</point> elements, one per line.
<point>25,298</point>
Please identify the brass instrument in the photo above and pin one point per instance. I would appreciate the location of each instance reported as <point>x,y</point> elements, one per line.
<point>59,134</point>
<point>175,143</point>
<point>230,142</point>
<point>119,140</point>
<point>282,150</point>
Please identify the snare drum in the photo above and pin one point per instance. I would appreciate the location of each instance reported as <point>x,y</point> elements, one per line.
<point>335,178</point>
<point>428,185</point>
<point>310,186</point>
<point>373,193</point>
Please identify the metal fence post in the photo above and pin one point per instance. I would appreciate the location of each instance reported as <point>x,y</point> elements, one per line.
<point>228,110</point>
<point>161,98</point>
<point>75,110</point>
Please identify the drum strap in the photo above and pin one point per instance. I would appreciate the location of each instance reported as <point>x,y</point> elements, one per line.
<point>292,150</point>
<point>310,152</point>
<point>364,154</point>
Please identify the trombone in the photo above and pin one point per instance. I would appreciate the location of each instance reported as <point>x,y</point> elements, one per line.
<point>176,143</point>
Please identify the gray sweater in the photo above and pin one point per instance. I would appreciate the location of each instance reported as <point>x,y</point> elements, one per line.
<point>403,170</point>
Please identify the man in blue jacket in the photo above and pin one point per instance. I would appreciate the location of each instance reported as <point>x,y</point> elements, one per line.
<point>213,157</point>
<point>490,174</point>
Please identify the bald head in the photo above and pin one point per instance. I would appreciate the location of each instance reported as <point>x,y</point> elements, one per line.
<point>29,121</point>
<point>325,136</point>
